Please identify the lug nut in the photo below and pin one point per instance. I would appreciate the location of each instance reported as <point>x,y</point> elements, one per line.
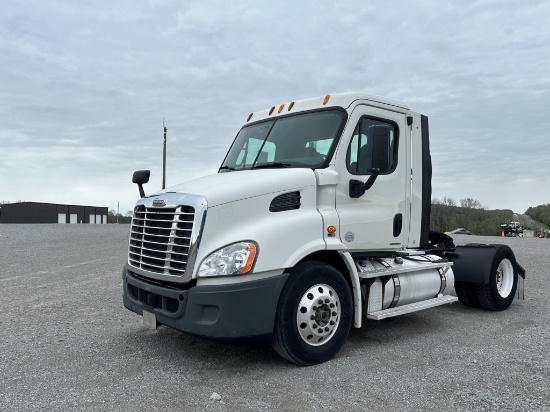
<point>334,313</point>
<point>315,326</point>
<point>320,301</point>
<point>312,317</point>
<point>331,305</point>
<point>332,322</point>
<point>314,308</point>
<point>327,300</point>
<point>326,329</point>
<point>320,330</point>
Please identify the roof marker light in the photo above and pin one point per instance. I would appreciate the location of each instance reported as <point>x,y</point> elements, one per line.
<point>249,117</point>
<point>281,107</point>
<point>290,106</point>
<point>271,110</point>
<point>325,100</point>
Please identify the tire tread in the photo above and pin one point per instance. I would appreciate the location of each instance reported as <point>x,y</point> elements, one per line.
<point>466,293</point>
<point>488,295</point>
<point>485,298</point>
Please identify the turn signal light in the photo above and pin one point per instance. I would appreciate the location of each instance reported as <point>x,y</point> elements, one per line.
<point>250,260</point>
<point>331,229</point>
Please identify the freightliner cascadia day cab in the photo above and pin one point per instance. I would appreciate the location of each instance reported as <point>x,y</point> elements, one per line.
<point>317,219</point>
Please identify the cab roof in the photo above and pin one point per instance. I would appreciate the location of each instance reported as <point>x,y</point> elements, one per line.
<point>344,100</point>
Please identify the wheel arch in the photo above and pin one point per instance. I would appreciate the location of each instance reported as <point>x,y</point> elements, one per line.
<point>332,258</point>
<point>344,264</point>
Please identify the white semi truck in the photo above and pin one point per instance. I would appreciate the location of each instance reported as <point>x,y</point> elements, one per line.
<point>317,219</point>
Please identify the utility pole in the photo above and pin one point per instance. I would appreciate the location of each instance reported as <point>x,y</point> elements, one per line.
<point>164,157</point>
<point>117,211</point>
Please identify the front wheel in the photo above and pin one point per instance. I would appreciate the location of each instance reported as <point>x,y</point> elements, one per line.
<point>314,314</point>
<point>503,281</point>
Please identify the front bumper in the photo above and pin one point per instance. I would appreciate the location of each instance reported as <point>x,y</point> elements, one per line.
<point>242,310</point>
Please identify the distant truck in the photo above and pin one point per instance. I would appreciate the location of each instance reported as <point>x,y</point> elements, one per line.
<point>318,218</point>
<point>511,229</point>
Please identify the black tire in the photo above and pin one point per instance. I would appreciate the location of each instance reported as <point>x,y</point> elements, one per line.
<point>503,281</point>
<point>467,294</point>
<point>295,337</point>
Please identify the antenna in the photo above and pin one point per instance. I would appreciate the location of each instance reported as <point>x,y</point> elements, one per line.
<point>164,156</point>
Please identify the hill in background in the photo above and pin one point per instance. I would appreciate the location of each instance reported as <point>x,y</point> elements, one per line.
<point>447,215</point>
<point>541,214</point>
<point>481,222</point>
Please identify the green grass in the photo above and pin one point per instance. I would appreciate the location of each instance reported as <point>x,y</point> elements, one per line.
<point>524,222</point>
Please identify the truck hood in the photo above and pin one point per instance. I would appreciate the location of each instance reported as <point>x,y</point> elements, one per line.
<point>228,187</point>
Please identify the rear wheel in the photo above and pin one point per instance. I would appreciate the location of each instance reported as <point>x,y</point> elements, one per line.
<point>503,280</point>
<point>314,314</point>
<point>467,294</point>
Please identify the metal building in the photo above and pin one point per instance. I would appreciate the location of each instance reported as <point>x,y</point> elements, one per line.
<point>34,212</point>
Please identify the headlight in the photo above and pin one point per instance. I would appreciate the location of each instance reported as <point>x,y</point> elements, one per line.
<point>235,259</point>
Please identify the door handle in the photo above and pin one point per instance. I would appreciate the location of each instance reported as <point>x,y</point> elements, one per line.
<point>397,224</point>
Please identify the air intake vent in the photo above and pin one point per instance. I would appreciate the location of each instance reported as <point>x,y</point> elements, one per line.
<point>288,201</point>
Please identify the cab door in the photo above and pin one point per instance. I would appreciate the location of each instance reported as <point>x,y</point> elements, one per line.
<point>377,220</point>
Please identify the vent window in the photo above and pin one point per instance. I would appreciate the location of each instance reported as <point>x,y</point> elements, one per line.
<point>287,201</point>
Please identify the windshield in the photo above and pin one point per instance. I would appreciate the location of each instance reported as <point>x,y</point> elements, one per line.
<point>304,140</point>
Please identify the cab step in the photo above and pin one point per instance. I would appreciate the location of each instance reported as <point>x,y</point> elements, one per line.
<point>412,307</point>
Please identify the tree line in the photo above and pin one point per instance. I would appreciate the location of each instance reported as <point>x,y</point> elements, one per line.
<point>114,217</point>
<point>540,213</point>
<point>468,213</point>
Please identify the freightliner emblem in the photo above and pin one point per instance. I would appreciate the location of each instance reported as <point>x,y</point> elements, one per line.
<point>159,202</point>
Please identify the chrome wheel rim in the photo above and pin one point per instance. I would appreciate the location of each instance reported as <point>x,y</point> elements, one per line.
<point>318,314</point>
<point>505,278</point>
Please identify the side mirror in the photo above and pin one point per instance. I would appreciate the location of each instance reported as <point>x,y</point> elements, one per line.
<point>141,177</point>
<point>380,149</point>
<point>377,158</point>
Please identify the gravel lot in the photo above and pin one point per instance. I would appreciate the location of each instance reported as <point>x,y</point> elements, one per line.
<point>67,343</point>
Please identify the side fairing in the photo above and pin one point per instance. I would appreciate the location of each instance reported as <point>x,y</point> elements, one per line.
<point>417,178</point>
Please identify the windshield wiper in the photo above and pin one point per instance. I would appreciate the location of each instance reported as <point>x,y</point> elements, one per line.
<point>226,168</point>
<point>272,165</point>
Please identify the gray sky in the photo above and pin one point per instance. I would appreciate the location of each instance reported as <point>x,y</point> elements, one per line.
<point>84,87</point>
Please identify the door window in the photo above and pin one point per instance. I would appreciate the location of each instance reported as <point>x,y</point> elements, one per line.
<point>360,149</point>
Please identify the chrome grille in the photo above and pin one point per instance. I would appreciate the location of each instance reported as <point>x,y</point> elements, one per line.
<point>160,239</point>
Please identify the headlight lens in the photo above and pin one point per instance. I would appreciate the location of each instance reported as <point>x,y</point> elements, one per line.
<point>235,259</point>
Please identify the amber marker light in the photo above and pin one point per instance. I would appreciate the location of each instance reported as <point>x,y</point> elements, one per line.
<point>249,117</point>
<point>331,230</point>
<point>325,100</point>
<point>250,260</point>
<point>281,107</point>
<point>290,106</point>
<point>271,110</point>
